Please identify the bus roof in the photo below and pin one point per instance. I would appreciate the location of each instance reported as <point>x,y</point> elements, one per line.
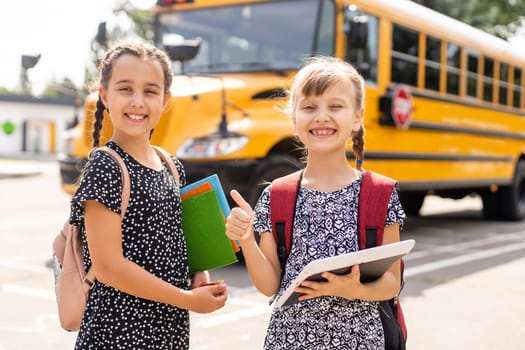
<point>426,20</point>
<point>410,14</point>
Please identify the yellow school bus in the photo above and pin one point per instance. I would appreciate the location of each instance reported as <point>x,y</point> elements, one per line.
<point>445,102</point>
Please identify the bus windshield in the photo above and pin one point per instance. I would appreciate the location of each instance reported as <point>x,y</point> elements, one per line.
<point>273,36</point>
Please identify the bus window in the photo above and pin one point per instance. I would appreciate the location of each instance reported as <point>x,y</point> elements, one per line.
<point>363,58</point>
<point>405,50</point>
<point>453,65</point>
<point>488,79</point>
<point>472,74</point>
<point>245,37</point>
<point>325,40</point>
<point>517,88</point>
<point>432,63</point>
<point>503,83</point>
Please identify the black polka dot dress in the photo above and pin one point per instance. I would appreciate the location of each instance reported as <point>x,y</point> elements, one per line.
<point>325,225</point>
<point>152,238</point>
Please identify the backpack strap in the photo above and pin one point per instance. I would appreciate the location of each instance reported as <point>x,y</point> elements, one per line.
<point>125,178</point>
<point>89,279</point>
<point>374,197</point>
<point>166,157</point>
<point>283,195</point>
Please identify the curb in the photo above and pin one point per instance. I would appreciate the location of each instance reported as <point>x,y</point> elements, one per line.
<point>17,168</point>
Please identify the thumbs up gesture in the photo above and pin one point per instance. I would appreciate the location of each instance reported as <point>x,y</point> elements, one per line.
<point>239,224</point>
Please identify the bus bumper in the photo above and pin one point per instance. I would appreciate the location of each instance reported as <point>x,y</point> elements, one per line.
<point>236,174</point>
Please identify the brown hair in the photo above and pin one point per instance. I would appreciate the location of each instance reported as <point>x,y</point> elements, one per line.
<point>140,49</point>
<point>318,74</point>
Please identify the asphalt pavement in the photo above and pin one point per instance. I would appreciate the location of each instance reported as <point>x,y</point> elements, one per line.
<point>484,310</point>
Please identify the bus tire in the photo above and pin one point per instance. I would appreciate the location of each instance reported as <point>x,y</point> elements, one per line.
<point>511,199</point>
<point>412,202</point>
<point>491,209</point>
<point>270,168</point>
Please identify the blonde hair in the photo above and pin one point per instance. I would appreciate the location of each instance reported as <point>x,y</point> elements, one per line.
<point>318,74</point>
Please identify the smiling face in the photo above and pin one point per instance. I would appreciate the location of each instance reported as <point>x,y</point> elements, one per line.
<point>134,96</point>
<point>324,119</point>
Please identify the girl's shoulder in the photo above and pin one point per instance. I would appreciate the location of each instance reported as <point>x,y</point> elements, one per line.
<point>103,161</point>
<point>101,166</point>
<point>180,170</point>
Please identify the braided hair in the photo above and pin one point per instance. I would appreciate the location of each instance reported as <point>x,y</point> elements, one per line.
<point>139,49</point>
<point>318,74</point>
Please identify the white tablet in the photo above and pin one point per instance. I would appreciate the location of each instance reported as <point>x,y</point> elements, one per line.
<point>373,262</point>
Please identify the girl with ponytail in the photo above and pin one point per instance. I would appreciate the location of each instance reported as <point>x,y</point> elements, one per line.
<point>142,294</point>
<point>326,105</point>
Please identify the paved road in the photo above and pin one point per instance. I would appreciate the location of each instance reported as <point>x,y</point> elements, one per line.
<point>465,287</point>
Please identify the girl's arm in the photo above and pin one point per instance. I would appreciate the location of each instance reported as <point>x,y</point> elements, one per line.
<point>349,286</point>
<point>104,237</point>
<point>261,260</point>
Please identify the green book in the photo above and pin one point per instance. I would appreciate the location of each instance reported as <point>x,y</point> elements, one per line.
<point>204,228</point>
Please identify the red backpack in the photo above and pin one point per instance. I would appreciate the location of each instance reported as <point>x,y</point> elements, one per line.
<point>374,197</point>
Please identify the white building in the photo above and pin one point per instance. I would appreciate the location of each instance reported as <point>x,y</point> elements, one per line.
<point>34,125</point>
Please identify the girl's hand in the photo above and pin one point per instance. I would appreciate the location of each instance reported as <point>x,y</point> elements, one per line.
<point>199,278</point>
<point>346,286</point>
<point>208,298</point>
<point>239,224</point>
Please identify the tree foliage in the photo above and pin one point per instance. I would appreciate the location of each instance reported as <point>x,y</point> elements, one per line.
<point>64,88</point>
<point>141,20</point>
<point>499,17</point>
<point>6,91</point>
<point>129,22</point>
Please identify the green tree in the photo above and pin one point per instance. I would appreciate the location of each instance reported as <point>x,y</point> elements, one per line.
<point>6,91</point>
<point>141,20</point>
<point>65,88</point>
<point>129,22</point>
<point>502,18</point>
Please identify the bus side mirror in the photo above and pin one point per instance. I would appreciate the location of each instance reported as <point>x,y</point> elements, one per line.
<point>184,51</point>
<point>357,38</point>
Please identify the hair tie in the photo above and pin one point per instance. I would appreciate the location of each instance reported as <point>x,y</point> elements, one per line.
<point>359,162</point>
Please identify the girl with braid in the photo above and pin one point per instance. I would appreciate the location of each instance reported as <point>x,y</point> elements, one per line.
<point>142,292</point>
<point>326,105</point>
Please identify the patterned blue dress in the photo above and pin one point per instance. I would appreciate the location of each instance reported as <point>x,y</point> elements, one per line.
<point>325,225</point>
<point>152,238</point>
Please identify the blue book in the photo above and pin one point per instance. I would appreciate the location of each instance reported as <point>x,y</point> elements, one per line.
<point>215,183</point>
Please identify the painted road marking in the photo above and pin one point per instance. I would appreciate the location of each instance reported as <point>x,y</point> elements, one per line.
<point>495,238</point>
<point>255,308</point>
<point>461,259</point>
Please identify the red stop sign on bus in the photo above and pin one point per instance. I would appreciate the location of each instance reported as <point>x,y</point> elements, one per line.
<point>402,106</point>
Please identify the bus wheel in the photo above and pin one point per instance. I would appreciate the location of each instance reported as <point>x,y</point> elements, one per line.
<point>272,167</point>
<point>491,209</point>
<point>508,203</point>
<point>412,201</point>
